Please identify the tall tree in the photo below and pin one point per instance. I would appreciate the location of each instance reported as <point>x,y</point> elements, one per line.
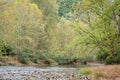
<point>100,18</point>
<point>49,9</point>
<point>23,26</point>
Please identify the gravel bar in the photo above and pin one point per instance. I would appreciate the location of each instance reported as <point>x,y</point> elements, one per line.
<point>37,73</point>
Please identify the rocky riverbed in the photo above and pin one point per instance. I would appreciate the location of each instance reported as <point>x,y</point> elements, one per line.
<point>38,73</point>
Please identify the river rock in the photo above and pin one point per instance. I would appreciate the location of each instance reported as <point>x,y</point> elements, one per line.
<point>33,73</point>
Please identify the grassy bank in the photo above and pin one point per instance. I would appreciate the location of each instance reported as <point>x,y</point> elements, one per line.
<point>108,72</point>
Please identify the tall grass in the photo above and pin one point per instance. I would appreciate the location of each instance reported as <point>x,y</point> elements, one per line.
<point>109,72</point>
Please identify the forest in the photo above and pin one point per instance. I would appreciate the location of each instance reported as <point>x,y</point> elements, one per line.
<point>59,31</point>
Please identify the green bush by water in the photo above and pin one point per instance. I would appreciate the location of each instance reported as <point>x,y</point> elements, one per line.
<point>24,57</point>
<point>61,58</point>
<point>35,60</point>
<point>6,50</point>
<point>109,58</point>
<point>85,71</point>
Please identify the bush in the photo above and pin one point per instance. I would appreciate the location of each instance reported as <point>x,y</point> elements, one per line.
<point>118,55</point>
<point>85,71</point>
<point>109,60</point>
<point>102,55</point>
<point>24,57</point>
<point>113,58</point>
<point>61,58</point>
<point>50,62</point>
<point>43,56</point>
<point>1,47</point>
<point>35,60</point>
<point>82,60</point>
<point>8,51</point>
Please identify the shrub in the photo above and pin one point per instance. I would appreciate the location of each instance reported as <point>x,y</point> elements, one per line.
<point>35,60</point>
<point>82,60</point>
<point>24,57</point>
<point>61,58</point>
<point>1,47</point>
<point>50,62</point>
<point>118,55</point>
<point>8,51</point>
<point>85,71</point>
<point>109,60</point>
<point>113,58</point>
<point>102,55</point>
<point>43,56</point>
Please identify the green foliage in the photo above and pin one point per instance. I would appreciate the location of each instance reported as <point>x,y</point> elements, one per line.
<point>61,58</point>
<point>65,7</point>
<point>83,60</point>
<point>35,59</point>
<point>42,56</point>
<point>85,71</point>
<point>102,55</point>
<point>86,29</point>
<point>50,62</point>
<point>113,59</point>
<point>108,58</point>
<point>101,29</point>
<point>8,51</point>
<point>24,57</point>
<point>1,47</point>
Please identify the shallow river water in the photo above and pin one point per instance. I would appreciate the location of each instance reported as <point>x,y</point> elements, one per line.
<point>39,73</point>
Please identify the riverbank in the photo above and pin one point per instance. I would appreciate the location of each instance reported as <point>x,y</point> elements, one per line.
<point>107,72</point>
<point>95,71</point>
<point>15,61</point>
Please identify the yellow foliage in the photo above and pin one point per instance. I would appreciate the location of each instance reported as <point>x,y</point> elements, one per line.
<point>20,19</point>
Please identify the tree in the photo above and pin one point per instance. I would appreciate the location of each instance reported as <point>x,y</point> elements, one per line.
<point>23,27</point>
<point>101,31</point>
<point>49,10</point>
<point>66,9</point>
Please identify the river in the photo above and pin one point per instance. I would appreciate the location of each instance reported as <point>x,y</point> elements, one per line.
<point>39,73</point>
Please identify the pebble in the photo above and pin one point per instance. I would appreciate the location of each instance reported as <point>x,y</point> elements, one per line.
<point>23,74</point>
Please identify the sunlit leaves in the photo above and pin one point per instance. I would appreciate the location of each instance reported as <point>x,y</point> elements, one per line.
<point>22,20</point>
<point>101,29</point>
